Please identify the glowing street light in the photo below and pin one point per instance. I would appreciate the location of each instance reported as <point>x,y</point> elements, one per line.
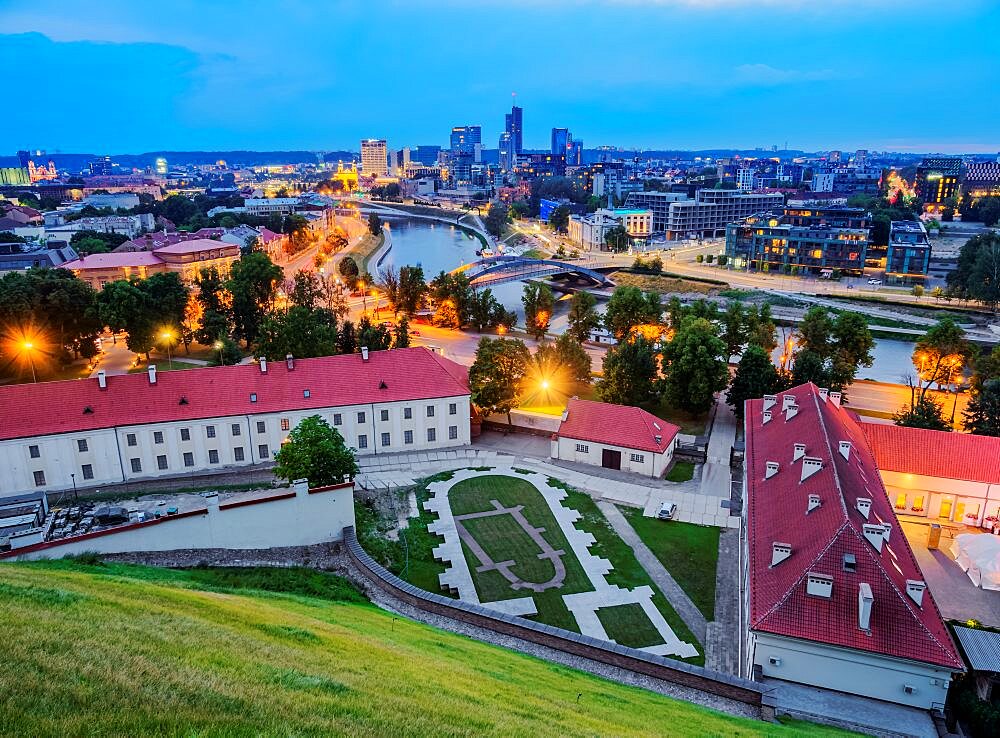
<point>28,347</point>
<point>218,347</point>
<point>166,336</point>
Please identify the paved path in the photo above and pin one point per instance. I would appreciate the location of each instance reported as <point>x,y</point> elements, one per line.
<point>723,646</point>
<point>677,597</point>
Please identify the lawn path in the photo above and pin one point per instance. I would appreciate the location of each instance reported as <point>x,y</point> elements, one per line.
<point>677,597</point>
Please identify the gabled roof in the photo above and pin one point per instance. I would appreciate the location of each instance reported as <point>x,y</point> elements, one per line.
<point>388,376</point>
<point>616,425</point>
<point>115,260</point>
<point>776,512</point>
<point>195,246</point>
<point>935,453</point>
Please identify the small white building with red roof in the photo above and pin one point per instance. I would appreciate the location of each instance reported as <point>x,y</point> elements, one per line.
<point>834,597</point>
<point>615,437</point>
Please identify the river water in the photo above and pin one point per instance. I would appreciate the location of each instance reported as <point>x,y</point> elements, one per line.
<point>442,247</point>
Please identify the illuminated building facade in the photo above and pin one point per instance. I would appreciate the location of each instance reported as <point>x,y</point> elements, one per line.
<point>909,252</point>
<point>982,179</point>
<point>938,179</point>
<point>374,160</point>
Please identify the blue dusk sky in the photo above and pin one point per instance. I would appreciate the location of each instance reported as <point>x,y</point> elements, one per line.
<point>121,76</point>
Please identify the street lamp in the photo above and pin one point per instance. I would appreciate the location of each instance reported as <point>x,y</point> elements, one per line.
<point>28,348</point>
<point>218,347</point>
<point>72,476</point>
<point>166,336</point>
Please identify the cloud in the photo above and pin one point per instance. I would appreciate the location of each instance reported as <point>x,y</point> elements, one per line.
<point>764,75</point>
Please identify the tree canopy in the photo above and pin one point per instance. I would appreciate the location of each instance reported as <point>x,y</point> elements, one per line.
<point>629,373</point>
<point>497,373</point>
<point>317,452</point>
<point>694,367</point>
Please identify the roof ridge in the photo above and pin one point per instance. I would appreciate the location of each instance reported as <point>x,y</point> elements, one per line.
<point>829,447</point>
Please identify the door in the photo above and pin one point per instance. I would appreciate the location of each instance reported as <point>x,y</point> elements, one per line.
<point>959,512</point>
<point>945,512</point>
<point>611,459</point>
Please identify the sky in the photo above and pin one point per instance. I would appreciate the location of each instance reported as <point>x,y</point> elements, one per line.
<point>119,76</point>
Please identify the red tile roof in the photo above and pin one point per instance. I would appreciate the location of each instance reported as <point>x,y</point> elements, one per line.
<point>60,407</point>
<point>115,259</point>
<point>616,425</point>
<point>196,245</point>
<point>776,512</point>
<point>935,453</point>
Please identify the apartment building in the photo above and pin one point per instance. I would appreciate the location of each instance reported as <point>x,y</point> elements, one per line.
<point>908,254</point>
<point>707,215</point>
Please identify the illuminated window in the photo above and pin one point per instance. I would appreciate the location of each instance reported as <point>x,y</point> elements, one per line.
<point>817,253</point>
<point>901,501</point>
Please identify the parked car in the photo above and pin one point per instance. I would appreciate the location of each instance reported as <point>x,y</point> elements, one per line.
<point>668,510</point>
<point>875,282</point>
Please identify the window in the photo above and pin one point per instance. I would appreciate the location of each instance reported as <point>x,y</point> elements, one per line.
<point>384,415</point>
<point>213,456</point>
<point>81,445</point>
<point>582,448</point>
<point>157,436</point>
<point>285,424</point>
<point>88,471</point>
<point>850,562</point>
<point>407,437</point>
<point>261,427</point>
<point>338,419</point>
<point>188,458</point>
<point>130,439</point>
<point>407,413</point>
<point>39,478</point>
<point>33,452</point>
<point>453,408</point>
<point>362,441</point>
<point>238,453</point>
<point>262,451</point>
<point>637,458</point>
<point>452,432</point>
<point>185,434</point>
<point>431,435</point>
<point>430,411</point>
<point>385,440</point>
<point>361,417</point>
<point>306,394</point>
<point>161,462</point>
<point>236,429</point>
<point>901,501</point>
<point>210,431</point>
<point>136,465</point>
<point>253,397</point>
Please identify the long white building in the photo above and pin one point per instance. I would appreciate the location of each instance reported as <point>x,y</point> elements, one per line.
<point>109,430</point>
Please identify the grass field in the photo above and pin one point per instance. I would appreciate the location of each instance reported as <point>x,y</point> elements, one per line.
<point>628,625</point>
<point>164,366</point>
<point>113,650</point>
<point>663,284</point>
<point>363,250</point>
<point>681,471</point>
<point>689,552</point>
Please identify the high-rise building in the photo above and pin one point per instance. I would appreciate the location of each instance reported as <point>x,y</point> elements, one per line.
<point>161,165</point>
<point>102,167</point>
<point>574,153</point>
<point>937,179</point>
<point>561,140</point>
<point>511,140</point>
<point>465,138</point>
<point>426,155</point>
<point>374,161</point>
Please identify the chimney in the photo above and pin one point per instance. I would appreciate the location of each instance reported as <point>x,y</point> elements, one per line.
<point>810,465</point>
<point>102,379</point>
<point>780,552</point>
<point>769,401</point>
<point>767,417</point>
<point>823,392</point>
<point>364,353</point>
<point>915,591</point>
<point>813,503</point>
<point>865,600</point>
<point>263,365</point>
<point>290,361</point>
<point>786,401</point>
<point>658,440</point>
<point>845,450</point>
<point>864,506</point>
<point>874,534</point>
<point>798,451</point>
<point>771,469</point>
<point>152,373</point>
<point>791,411</point>
<point>565,415</point>
<point>835,398</point>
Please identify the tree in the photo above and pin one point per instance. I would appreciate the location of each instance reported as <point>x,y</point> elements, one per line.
<point>694,367</point>
<point>497,218</point>
<point>810,367</point>
<point>755,377</point>
<point>583,317</point>
<point>300,331</point>
<point>629,307</point>
<point>496,375</point>
<point>178,209</point>
<point>401,336</point>
<point>559,219</point>
<point>453,295</point>
<point>317,452</point>
<point>917,291</point>
<point>230,352</point>
<point>617,238</point>
<point>922,413</point>
<point>977,273</point>
<point>564,359</point>
<point>348,269</point>
<point>411,291</point>
<point>982,416</point>
<point>831,351</point>
<point>253,282</point>
<point>124,307</point>
<point>307,290</point>
<point>486,312</point>
<point>167,299</point>
<point>761,328</point>
<point>348,340</point>
<point>940,355</point>
<point>538,301</point>
<point>374,224</point>
<point>734,328</point>
<point>215,320</point>
<point>629,371</point>
<point>851,350</point>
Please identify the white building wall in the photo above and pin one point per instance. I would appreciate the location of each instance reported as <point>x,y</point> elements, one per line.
<point>588,452</point>
<point>110,452</point>
<point>300,519</point>
<point>855,672</point>
<point>939,497</point>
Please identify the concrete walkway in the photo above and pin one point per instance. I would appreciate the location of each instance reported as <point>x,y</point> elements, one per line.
<point>677,597</point>
<point>724,642</point>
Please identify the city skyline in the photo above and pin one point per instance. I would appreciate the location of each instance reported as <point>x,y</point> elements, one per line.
<point>713,74</point>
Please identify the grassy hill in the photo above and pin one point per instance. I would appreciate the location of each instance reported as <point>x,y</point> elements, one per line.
<point>122,650</point>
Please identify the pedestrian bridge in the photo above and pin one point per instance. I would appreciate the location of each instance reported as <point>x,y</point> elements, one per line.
<point>509,268</point>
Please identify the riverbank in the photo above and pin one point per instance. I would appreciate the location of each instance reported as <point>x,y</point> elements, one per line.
<point>363,250</point>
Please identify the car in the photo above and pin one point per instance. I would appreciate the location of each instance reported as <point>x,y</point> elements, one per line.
<point>414,333</point>
<point>668,510</point>
<point>875,282</point>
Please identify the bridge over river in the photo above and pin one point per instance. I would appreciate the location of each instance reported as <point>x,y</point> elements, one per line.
<point>509,268</point>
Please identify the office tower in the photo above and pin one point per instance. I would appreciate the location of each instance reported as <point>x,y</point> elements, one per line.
<point>426,155</point>
<point>101,167</point>
<point>465,138</point>
<point>374,162</point>
<point>511,141</point>
<point>561,139</point>
<point>574,153</point>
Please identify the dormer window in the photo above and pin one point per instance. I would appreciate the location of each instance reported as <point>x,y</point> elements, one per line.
<point>819,585</point>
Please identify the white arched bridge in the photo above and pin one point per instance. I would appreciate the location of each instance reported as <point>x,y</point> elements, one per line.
<point>508,268</point>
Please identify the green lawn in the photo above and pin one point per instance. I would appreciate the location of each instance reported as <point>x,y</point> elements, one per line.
<point>114,650</point>
<point>629,625</point>
<point>165,366</point>
<point>681,471</point>
<point>689,552</point>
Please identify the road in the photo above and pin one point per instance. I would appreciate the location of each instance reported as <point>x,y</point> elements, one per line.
<point>886,398</point>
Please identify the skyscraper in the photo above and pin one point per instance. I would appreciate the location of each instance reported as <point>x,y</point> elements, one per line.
<point>465,138</point>
<point>511,141</point>
<point>560,140</point>
<point>373,157</point>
